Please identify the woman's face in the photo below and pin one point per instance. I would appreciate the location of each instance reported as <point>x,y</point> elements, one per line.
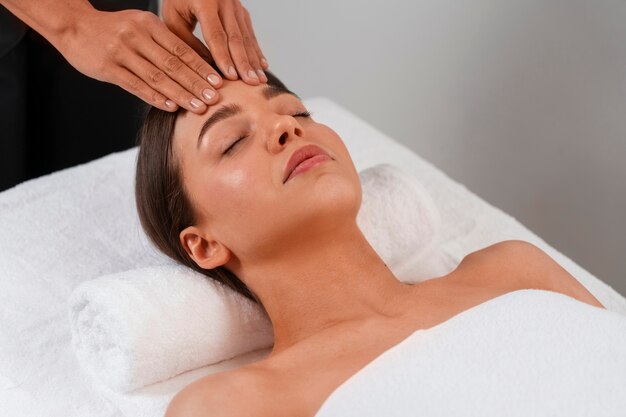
<point>239,197</point>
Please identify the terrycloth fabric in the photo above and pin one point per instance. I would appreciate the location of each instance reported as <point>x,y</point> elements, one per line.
<point>525,353</point>
<point>78,224</point>
<point>146,325</point>
<point>397,216</point>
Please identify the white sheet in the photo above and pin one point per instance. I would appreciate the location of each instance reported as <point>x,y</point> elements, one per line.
<point>525,353</point>
<point>59,230</point>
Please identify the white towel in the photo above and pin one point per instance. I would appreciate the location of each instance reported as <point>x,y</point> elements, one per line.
<point>146,325</point>
<point>525,353</point>
<point>398,217</point>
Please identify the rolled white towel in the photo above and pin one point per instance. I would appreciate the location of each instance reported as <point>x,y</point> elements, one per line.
<point>146,325</point>
<point>142,326</point>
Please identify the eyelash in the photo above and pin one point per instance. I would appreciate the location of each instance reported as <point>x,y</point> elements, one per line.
<point>300,114</point>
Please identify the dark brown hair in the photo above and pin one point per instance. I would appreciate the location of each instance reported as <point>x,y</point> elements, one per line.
<point>164,208</point>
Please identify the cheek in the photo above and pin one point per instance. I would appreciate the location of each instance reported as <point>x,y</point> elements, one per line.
<point>337,145</point>
<point>231,188</point>
<point>239,203</point>
<point>330,138</point>
<point>233,180</point>
<point>234,191</point>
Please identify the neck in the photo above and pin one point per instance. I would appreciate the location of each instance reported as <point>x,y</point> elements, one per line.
<point>323,281</point>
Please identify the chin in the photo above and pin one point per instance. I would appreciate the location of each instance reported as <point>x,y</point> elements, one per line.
<point>335,195</point>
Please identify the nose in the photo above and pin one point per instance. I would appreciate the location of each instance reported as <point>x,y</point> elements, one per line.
<point>286,128</point>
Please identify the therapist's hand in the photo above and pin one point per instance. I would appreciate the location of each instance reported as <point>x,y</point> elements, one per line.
<point>227,30</point>
<point>135,50</point>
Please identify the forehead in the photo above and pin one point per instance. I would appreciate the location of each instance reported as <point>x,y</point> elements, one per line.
<point>189,124</point>
<point>236,92</point>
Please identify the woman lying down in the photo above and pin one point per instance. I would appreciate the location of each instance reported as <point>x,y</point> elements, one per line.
<point>259,196</point>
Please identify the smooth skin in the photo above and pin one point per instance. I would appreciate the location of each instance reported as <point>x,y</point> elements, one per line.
<point>162,63</point>
<point>333,303</point>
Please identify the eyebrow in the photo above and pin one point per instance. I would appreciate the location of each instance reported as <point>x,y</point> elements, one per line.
<point>230,110</point>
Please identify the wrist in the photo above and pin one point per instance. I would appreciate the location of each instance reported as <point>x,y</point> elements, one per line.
<point>61,30</point>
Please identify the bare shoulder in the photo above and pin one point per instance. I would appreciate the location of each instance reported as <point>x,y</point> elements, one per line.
<point>519,264</point>
<point>211,395</point>
<point>225,394</point>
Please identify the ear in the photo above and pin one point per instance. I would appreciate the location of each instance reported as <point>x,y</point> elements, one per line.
<point>207,253</point>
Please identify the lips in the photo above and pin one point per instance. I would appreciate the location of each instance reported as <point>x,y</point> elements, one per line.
<point>302,154</point>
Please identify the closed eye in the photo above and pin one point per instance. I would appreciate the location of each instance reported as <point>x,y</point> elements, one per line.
<point>303,114</point>
<point>233,145</point>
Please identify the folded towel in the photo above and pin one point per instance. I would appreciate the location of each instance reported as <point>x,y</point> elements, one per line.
<point>525,353</point>
<point>138,327</point>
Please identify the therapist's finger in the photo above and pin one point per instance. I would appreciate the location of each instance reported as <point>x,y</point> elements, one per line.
<point>183,52</point>
<point>253,58</point>
<point>162,83</point>
<point>136,86</point>
<point>182,74</point>
<point>217,40</point>
<point>255,42</point>
<point>184,30</point>
<point>236,45</point>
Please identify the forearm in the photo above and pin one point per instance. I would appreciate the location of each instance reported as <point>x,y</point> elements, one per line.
<point>50,18</point>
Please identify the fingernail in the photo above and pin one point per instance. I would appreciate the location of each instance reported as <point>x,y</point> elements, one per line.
<point>231,71</point>
<point>208,94</point>
<point>213,79</point>
<point>195,103</point>
<point>170,103</point>
<point>262,75</point>
<point>252,74</point>
<point>264,61</point>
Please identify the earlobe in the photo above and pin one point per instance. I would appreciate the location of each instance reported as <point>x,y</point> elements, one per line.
<point>208,254</point>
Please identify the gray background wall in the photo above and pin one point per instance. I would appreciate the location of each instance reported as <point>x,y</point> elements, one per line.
<point>522,101</point>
